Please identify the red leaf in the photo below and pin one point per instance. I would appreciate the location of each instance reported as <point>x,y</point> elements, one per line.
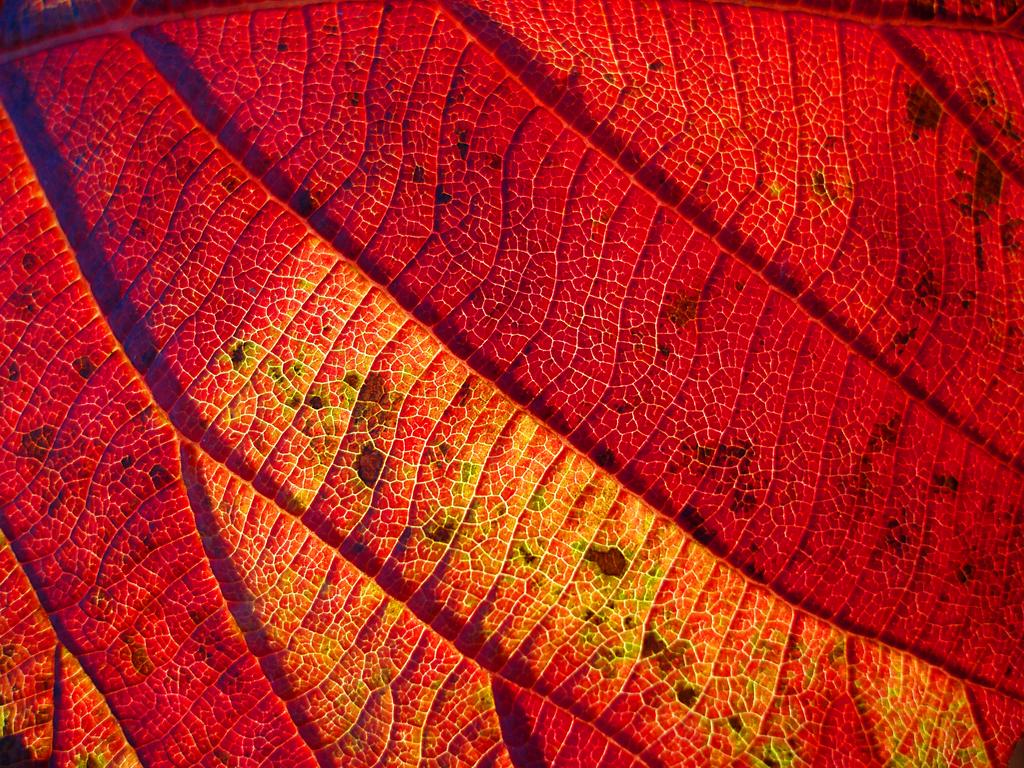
<point>758,266</point>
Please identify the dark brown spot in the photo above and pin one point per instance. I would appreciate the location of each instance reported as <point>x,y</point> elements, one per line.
<point>923,111</point>
<point>440,196</point>
<point>127,461</point>
<point>373,390</point>
<point>656,66</point>
<point>12,372</point>
<point>316,402</point>
<point>237,354</point>
<point>418,174</point>
<point>687,694</point>
<point>610,561</point>
<point>652,645</point>
<point>83,365</point>
<point>442,533</point>
<point>354,99</point>
<point>368,465</point>
<point>682,309</point>
<point>988,183</point>
<point>736,723</point>
<point>36,444</point>
<point>282,47</point>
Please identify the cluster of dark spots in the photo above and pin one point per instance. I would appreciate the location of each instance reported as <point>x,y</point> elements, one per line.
<point>462,145</point>
<point>139,657</point>
<point>652,644</point>
<point>609,560</point>
<point>369,463</point>
<point>12,372</point>
<point>24,298</point>
<point>84,366</point>
<point>159,476</point>
<point>687,694</point>
<point>927,290</point>
<point>902,338</point>
<point>983,94</point>
<point>988,183</point>
<point>681,310</point>
<point>36,443</point>
<point>896,536</point>
<point>440,196</point>
<point>440,532</point>
<point>1008,234</point>
<point>923,111</point>
<point>884,433</point>
<point>943,481</point>
<point>592,617</point>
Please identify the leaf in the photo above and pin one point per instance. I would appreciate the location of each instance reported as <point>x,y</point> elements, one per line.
<point>732,473</point>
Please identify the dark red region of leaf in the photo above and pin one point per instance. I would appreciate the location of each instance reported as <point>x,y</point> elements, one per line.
<point>782,354</point>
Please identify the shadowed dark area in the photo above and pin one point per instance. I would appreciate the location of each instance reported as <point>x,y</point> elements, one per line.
<point>13,752</point>
<point>516,728</point>
<point>1017,756</point>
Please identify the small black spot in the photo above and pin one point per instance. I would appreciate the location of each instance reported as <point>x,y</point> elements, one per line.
<point>418,174</point>
<point>84,366</point>
<point>36,444</point>
<point>127,461</point>
<point>29,261</point>
<point>463,148</point>
<point>965,572</point>
<point>316,402</point>
<point>12,372</point>
<point>736,723</point>
<point>159,476</point>
<point>652,645</point>
<point>441,197</point>
<point>656,66</point>
<point>369,463</point>
<point>687,694</point>
<point>282,47</point>
<point>610,561</point>
<point>354,99</point>
<point>946,482</point>
<point>988,182</point>
<point>923,111</point>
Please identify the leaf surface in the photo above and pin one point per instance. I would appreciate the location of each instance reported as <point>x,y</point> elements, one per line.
<point>732,474</point>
